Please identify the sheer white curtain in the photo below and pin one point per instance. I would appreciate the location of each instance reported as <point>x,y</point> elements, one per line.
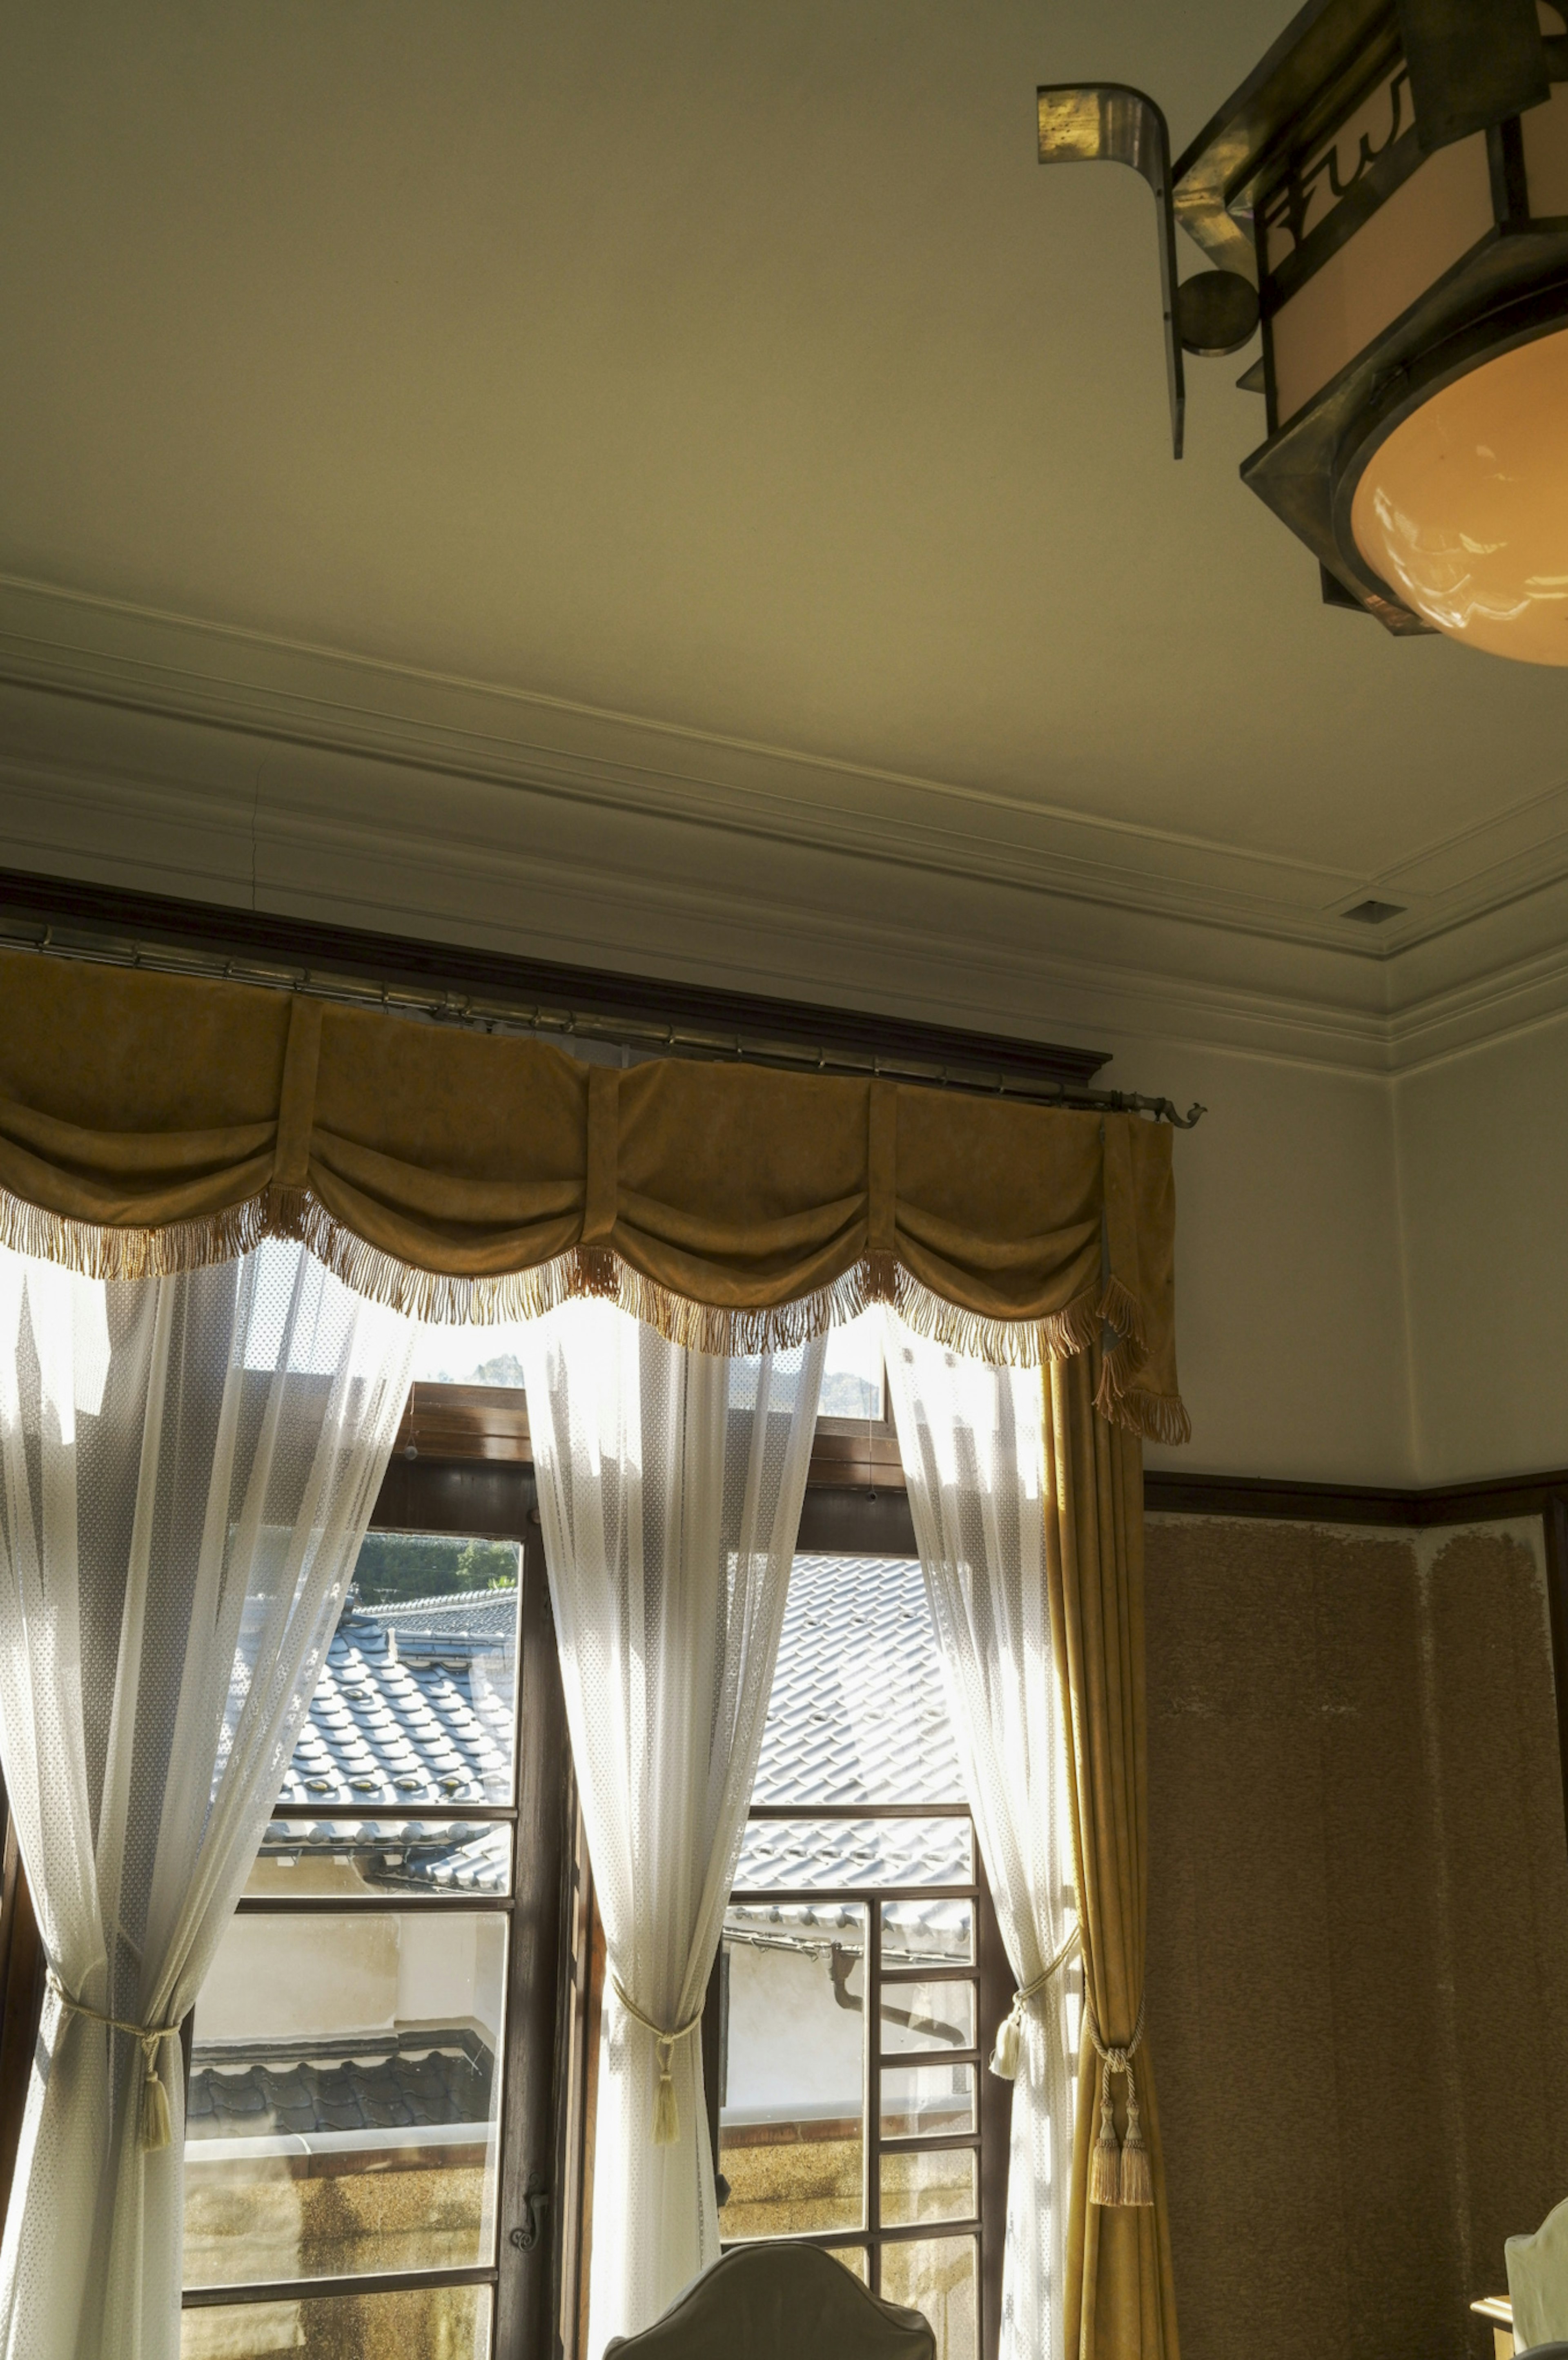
<point>186,1467</point>
<point>670,1488</point>
<point>972,1441</point>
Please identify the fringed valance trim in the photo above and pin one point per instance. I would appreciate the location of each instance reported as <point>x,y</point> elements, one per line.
<point>95,1250</point>
<point>1158,1418</point>
<point>598,1272</point>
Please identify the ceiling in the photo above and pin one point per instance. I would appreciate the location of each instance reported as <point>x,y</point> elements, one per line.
<point>716,409</point>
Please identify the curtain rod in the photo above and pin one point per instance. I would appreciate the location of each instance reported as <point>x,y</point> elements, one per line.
<point>580,1030</point>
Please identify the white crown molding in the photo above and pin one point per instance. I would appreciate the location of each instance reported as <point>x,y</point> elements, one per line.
<point>122,657</point>
<point>181,782</point>
<point>512,872</point>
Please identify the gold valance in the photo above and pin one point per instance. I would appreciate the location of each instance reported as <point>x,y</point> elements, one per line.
<point>156,1123</point>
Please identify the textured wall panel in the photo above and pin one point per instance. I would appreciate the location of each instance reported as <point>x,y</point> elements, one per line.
<point>1359,1920</point>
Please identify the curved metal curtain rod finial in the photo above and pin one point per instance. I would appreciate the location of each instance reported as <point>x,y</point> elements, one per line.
<point>1109,122</point>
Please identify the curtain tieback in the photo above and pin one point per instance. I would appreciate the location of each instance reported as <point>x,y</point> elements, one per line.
<point>1118,2175</point>
<point>666,2112</point>
<point>1010,2036</point>
<point>156,2126</point>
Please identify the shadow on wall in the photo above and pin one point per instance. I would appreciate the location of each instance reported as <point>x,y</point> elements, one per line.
<point>1358,1925</point>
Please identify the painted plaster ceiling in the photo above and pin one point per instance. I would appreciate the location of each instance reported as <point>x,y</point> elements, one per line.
<point>730,377</point>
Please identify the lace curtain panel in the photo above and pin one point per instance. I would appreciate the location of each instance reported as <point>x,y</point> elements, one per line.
<point>187,1468</point>
<point>669,1487</point>
<point>972,1439</point>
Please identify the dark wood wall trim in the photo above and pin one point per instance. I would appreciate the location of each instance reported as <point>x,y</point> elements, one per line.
<point>1555,1523</point>
<point>1171,1494</point>
<point>857,1472</point>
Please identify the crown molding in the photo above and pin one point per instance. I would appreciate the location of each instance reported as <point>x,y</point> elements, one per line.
<point>113,655</point>
<point>281,789</point>
<point>317,857</point>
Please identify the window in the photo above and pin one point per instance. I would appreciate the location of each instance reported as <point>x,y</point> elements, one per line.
<point>370,2148</point>
<point>862,1977</point>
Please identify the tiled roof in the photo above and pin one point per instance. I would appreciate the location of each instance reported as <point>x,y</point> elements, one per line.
<point>473,1618</point>
<point>436,2080</point>
<point>416,1704</point>
<point>857,1716</point>
<point>857,1713</point>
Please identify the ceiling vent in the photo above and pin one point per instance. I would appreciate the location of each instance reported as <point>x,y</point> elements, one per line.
<point>1375,913</point>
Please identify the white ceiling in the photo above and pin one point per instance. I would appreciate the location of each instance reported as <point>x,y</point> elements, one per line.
<point>708,409</point>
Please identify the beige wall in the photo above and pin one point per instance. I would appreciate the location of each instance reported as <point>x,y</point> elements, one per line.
<point>1289,1301</point>
<point>1482,1149</point>
<point>1358,1912</point>
<point>1372,1273</point>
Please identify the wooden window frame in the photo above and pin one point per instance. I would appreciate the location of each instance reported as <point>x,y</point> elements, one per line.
<point>991,1978</point>
<point>837,1521</point>
<point>532,2296</point>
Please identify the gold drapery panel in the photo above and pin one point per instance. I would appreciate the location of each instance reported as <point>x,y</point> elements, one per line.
<point>1120,2299</point>
<point>151,1121</point>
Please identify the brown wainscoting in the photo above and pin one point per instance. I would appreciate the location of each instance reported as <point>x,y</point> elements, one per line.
<point>1493,1501</point>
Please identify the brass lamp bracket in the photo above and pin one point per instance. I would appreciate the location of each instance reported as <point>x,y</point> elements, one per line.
<point>1108,122</point>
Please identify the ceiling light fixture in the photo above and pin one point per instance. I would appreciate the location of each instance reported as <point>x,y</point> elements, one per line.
<point>1388,194</point>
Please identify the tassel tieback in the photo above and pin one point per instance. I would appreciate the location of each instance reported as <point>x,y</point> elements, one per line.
<point>157,2128</point>
<point>1005,2056</point>
<point>666,2112</point>
<point>1118,2175</point>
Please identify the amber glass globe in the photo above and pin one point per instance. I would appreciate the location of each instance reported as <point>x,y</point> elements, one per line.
<point>1464,508</point>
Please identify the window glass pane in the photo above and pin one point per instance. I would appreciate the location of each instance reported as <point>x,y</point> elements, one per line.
<point>855,2261</point>
<point>927,2015</point>
<point>942,2185</point>
<point>852,1370</point>
<point>807,1852</point>
<point>918,1933</point>
<point>471,1356</point>
<point>453,2322</point>
<point>416,1700</point>
<point>936,2277</point>
<point>857,1713</point>
<point>792,2078</point>
<point>926,2100</point>
<point>377,1857</point>
<point>344,2097</point>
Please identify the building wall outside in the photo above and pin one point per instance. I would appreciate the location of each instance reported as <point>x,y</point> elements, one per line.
<point>310,1979</point>
<point>417,2203</point>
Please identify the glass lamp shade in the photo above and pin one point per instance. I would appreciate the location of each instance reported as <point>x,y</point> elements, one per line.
<point>1463,509</point>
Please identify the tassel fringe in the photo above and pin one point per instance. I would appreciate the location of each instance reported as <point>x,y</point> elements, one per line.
<point>1008,2054</point>
<point>1118,2175</point>
<point>1005,2055</point>
<point>155,2127</point>
<point>157,2130</point>
<point>665,2111</point>
<point>1138,2181</point>
<point>599,1274</point>
<point>666,2107</point>
<point>1105,2159</point>
<point>1158,1418</point>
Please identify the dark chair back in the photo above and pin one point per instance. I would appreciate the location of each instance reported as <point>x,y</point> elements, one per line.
<point>778,2301</point>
